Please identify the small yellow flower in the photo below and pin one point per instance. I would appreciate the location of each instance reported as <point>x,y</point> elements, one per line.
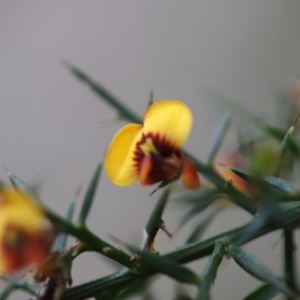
<point>151,152</point>
<point>24,231</point>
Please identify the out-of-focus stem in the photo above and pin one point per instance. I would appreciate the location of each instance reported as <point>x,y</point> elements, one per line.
<point>289,259</point>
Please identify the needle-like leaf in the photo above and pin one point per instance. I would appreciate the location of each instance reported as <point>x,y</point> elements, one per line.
<point>266,182</point>
<point>210,272</point>
<point>169,267</point>
<point>155,221</point>
<point>19,183</point>
<point>104,94</point>
<point>62,238</point>
<point>200,228</point>
<point>90,195</point>
<point>200,202</point>
<point>279,134</point>
<point>219,136</point>
<point>264,292</point>
<point>256,268</point>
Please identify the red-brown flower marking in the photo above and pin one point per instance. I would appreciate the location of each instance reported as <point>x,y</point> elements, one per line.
<point>156,159</point>
<point>151,152</point>
<point>20,248</point>
<point>24,231</point>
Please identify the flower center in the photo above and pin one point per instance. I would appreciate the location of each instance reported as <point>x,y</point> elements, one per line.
<point>20,248</point>
<point>156,159</point>
<point>148,147</point>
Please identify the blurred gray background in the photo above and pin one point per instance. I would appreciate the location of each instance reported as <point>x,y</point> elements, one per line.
<point>51,126</point>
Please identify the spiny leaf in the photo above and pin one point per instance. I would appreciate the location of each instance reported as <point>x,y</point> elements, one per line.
<point>62,238</point>
<point>219,136</point>
<point>136,287</point>
<point>288,234</point>
<point>151,98</point>
<point>104,94</point>
<point>169,267</point>
<point>210,272</point>
<point>279,134</point>
<point>290,264</point>
<point>154,220</point>
<point>90,195</point>
<point>270,210</point>
<point>92,288</point>
<point>254,267</point>
<point>200,227</point>
<point>19,183</point>
<point>201,201</point>
<point>284,146</point>
<point>164,265</point>
<point>264,292</point>
<point>279,183</point>
<point>269,182</point>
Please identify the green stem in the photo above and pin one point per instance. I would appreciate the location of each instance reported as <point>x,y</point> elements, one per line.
<point>289,259</point>
<point>289,217</point>
<point>92,241</point>
<point>92,288</point>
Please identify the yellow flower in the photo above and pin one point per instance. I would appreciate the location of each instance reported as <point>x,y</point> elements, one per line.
<point>151,152</point>
<point>24,231</point>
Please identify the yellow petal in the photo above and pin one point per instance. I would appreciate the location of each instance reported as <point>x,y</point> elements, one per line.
<point>171,119</point>
<point>19,208</point>
<point>119,163</point>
